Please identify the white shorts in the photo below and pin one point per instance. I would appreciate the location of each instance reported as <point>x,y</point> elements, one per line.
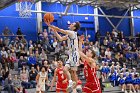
<point>40,88</point>
<point>73,60</point>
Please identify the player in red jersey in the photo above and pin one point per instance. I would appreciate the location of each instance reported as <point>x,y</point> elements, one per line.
<point>92,82</point>
<point>62,82</point>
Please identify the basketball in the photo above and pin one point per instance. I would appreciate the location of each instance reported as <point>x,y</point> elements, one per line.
<point>48,17</point>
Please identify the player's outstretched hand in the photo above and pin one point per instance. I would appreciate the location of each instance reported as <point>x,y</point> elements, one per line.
<point>53,30</point>
<point>47,22</point>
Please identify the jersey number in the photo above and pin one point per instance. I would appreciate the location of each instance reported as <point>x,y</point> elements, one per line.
<point>74,56</point>
<point>62,76</point>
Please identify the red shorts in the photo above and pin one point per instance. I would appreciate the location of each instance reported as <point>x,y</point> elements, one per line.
<point>61,87</point>
<point>91,88</point>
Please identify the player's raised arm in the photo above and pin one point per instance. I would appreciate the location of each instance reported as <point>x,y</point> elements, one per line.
<point>58,29</point>
<point>82,55</point>
<point>60,38</point>
<point>81,40</point>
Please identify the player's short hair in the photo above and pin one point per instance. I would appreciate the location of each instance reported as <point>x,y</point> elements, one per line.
<point>77,26</point>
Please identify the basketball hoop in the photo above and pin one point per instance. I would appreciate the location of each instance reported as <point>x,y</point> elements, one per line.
<point>24,7</point>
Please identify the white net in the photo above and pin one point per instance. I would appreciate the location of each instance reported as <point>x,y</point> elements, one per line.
<point>24,8</point>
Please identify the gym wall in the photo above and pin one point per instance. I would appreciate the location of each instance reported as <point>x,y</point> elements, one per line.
<point>10,17</point>
<point>105,26</point>
<point>136,22</point>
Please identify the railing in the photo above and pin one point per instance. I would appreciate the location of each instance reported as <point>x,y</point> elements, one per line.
<point>10,38</point>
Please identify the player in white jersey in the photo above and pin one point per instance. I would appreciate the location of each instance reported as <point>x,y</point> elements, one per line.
<point>41,80</point>
<point>71,36</point>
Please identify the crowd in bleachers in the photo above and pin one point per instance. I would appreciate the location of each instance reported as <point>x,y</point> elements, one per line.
<point>114,52</point>
<point>119,56</point>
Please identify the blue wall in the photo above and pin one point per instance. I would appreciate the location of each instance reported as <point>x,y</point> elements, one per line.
<point>105,26</point>
<point>136,22</point>
<point>28,25</point>
<point>62,21</point>
<point>13,21</point>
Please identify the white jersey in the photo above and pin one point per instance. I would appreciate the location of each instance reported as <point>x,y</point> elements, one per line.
<point>73,48</point>
<point>42,78</point>
<point>73,41</point>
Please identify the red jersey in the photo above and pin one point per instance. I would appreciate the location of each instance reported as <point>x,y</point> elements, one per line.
<point>60,86</point>
<point>92,82</point>
<point>89,73</point>
<point>60,74</point>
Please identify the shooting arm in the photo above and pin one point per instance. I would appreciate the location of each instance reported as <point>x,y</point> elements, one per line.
<point>60,38</point>
<point>60,30</point>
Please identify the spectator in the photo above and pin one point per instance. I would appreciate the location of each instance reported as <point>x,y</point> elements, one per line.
<point>107,34</point>
<point>8,84</point>
<point>115,33</point>
<point>21,62</point>
<point>1,73</point>
<point>32,60</point>
<point>49,73</point>
<point>17,84</point>
<point>37,56</point>
<point>42,55</point>
<point>6,32</point>
<point>19,33</point>
<point>122,60</point>
<point>23,51</point>
<point>97,35</point>
<point>30,43</point>
<point>4,52</point>
<point>107,52</point>
<point>102,55</point>
<point>39,48</point>
<point>45,34</point>
<point>105,42</point>
<point>55,43</point>
<point>1,43</point>
<point>96,50</point>
<point>32,77</point>
<point>5,73</point>
<point>24,79</point>
<point>37,68</point>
